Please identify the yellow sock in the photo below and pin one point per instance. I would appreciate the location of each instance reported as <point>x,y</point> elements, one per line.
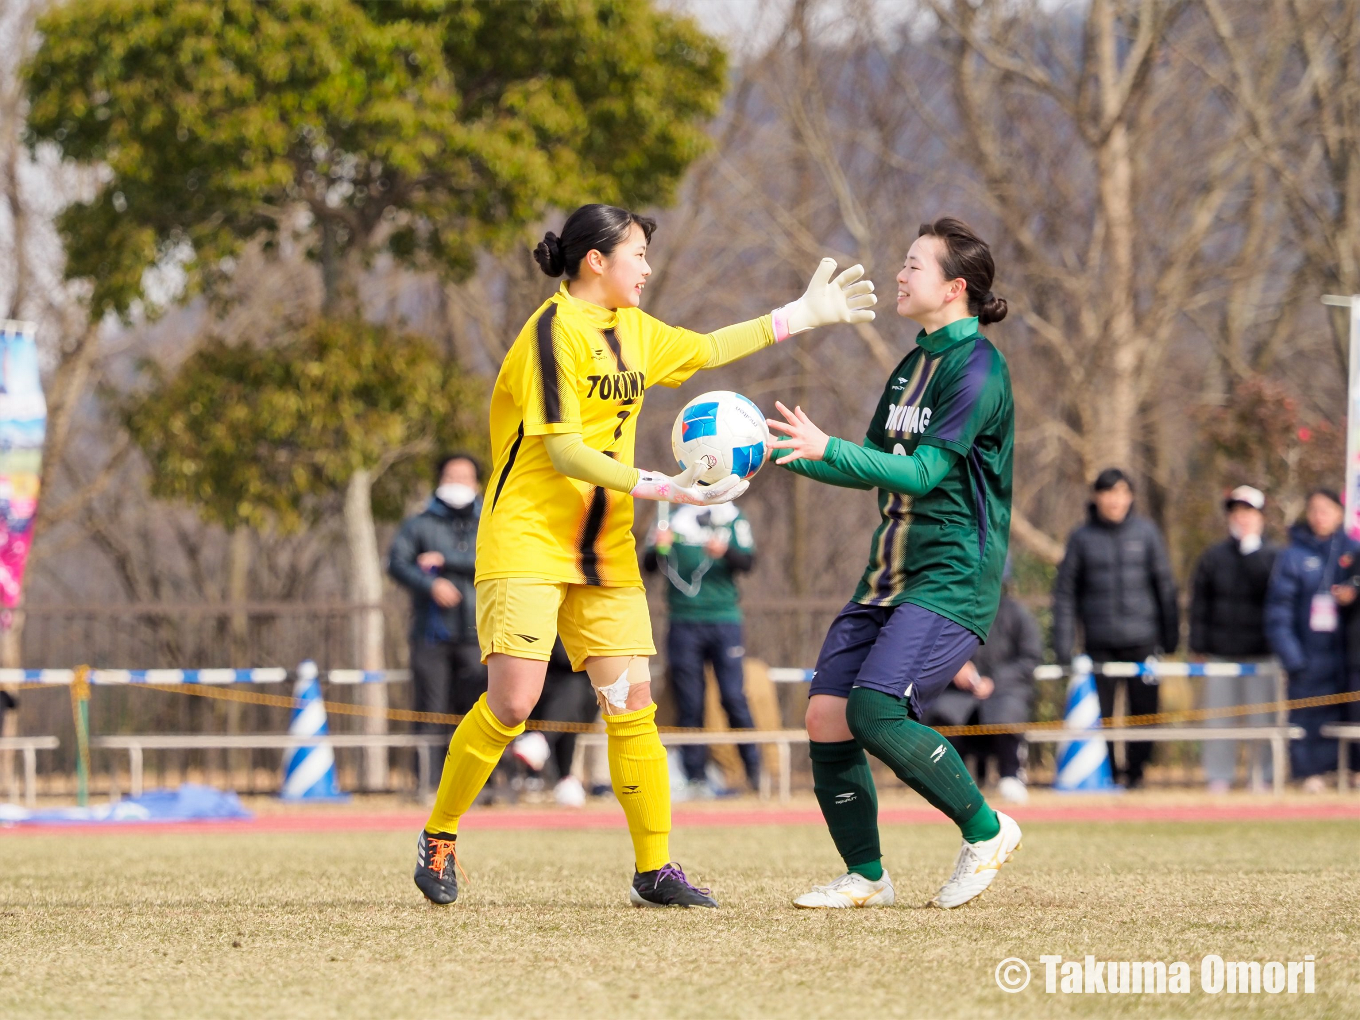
<point>474,749</point>
<point>642,782</point>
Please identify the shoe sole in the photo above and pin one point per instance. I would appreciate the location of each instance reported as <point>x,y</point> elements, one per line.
<point>436,902</point>
<point>973,899</point>
<point>840,906</point>
<point>636,900</point>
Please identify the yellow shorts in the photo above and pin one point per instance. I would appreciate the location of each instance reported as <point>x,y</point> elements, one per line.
<point>522,615</point>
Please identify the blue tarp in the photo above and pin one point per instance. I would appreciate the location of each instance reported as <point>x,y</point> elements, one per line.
<point>189,803</point>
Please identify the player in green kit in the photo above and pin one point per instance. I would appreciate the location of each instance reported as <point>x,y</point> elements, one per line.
<point>939,452</point>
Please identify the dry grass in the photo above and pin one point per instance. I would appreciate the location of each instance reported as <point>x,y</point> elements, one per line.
<point>288,925</point>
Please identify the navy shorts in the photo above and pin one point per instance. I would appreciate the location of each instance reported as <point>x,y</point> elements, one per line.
<point>905,651</point>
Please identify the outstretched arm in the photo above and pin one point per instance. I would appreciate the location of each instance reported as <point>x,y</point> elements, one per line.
<point>867,465</point>
<point>821,471</point>
<point>847,298</point>
<point>572,457</point>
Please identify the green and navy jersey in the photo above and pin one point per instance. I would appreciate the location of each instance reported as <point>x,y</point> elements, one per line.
<point>945,551</point>
<point>701,589</point>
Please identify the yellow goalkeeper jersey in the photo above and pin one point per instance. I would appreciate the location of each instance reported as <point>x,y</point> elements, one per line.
<point>575,367</point>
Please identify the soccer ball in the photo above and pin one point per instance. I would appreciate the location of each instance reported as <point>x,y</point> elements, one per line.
<point>723,429</point>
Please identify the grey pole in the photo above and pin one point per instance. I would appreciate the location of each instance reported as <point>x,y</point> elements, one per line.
<point>1352,413</point>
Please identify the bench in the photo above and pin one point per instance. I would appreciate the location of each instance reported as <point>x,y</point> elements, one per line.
<point>1278,736</point>
<point>135,744</point>
<point>29,747</point>
<point>1343,733</point>
<point>782,740</point>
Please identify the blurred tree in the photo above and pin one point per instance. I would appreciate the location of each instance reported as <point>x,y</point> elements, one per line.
<point>1296,452</point>
<point>265,438</point>
<point>424,129</point>
<point>428,129</point>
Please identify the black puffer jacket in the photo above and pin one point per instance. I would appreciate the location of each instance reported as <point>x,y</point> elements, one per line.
<point>1228,601</point>
<point>1116,580</point>
<point>453,532</point>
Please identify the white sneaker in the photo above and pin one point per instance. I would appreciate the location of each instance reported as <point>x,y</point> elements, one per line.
<point>1012,791</point>
<point>569,792</point>
<point>977,865</point>
<point>850,890</point>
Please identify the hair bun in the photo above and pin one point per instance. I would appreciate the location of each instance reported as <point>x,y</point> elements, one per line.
<point>992,309</point>
<point>549,255</point>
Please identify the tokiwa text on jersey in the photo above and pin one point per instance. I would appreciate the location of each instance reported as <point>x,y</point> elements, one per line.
<point>574,368</point>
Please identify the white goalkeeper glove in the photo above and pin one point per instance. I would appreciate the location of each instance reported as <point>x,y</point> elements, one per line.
<point>683,488</point>
<point>847,298</point>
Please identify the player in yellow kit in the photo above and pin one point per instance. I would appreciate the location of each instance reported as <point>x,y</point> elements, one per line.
<point>555,549</point>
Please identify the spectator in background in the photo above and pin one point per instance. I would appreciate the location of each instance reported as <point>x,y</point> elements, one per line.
<point>434,557</point>
<point>1227,624</point>
<point>995,687</point>
<point>567,697</point>
<point>701,550</point>
<point>1115,579</point>
<point>1347,595</point>
<point>1304,628</point>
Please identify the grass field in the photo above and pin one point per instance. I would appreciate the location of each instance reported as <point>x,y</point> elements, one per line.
<point>279,924</point>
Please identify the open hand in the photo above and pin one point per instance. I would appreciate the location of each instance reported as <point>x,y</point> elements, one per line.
<point>804,440</point>
<point>847,298</point>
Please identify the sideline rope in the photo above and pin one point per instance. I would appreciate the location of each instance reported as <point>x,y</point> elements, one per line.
<point>451,719</point>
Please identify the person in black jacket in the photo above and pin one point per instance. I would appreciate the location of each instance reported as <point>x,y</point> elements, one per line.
<point>434,557</point>
<point>1115,579</point>
<point>995,686</point>
<point>1227,624</point>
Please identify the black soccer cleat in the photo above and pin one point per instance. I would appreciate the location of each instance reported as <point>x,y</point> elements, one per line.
<point>437,866</point>
<point>667,887</point>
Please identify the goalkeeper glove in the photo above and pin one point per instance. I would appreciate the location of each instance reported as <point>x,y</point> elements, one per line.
<point>847,298</point>
<point>683,488</point>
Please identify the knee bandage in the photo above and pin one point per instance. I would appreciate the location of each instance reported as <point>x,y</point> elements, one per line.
<point>612,688</point>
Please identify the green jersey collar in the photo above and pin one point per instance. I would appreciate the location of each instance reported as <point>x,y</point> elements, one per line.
<point>947,336</point>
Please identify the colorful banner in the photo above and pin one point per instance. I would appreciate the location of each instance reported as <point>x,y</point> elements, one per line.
<point>23,426</point>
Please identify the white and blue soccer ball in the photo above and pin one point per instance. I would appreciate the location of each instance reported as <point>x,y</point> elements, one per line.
<point>724,430</point>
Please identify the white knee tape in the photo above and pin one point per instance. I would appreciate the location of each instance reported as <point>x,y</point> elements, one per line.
<point>617,692</point>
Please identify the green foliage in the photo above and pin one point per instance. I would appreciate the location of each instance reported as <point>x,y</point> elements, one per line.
<point>262,437</point>
<point>433,128</point>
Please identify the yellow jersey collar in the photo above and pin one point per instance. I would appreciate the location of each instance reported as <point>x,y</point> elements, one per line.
<point>603,318</point>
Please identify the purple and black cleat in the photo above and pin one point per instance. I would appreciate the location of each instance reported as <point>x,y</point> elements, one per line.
<point>667,887</point>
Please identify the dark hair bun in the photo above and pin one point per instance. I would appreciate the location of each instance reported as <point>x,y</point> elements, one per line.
<point>992,309</point>
<point>549,255</point>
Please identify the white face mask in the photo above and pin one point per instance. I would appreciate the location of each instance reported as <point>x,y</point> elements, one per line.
<point>455,494</point>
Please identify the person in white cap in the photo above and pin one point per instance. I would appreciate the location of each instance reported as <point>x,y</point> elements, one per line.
<point>1227,624</point>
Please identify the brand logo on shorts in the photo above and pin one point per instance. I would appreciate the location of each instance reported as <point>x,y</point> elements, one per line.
<point>527,637</point>
<point>937,754</point>
<point>845,798</point>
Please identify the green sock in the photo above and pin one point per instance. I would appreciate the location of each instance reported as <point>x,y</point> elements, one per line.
<point>845,790</point>
<point>922,759</point>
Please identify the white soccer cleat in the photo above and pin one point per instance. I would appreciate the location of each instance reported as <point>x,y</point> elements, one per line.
<point>977,865</point>
<point>850,890</point>
<point>1012,790</point>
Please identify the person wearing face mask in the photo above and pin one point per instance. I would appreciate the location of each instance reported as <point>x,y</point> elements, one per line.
<point>1227,624</point>
<point>1304,628</point>
<point>434,557</point>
